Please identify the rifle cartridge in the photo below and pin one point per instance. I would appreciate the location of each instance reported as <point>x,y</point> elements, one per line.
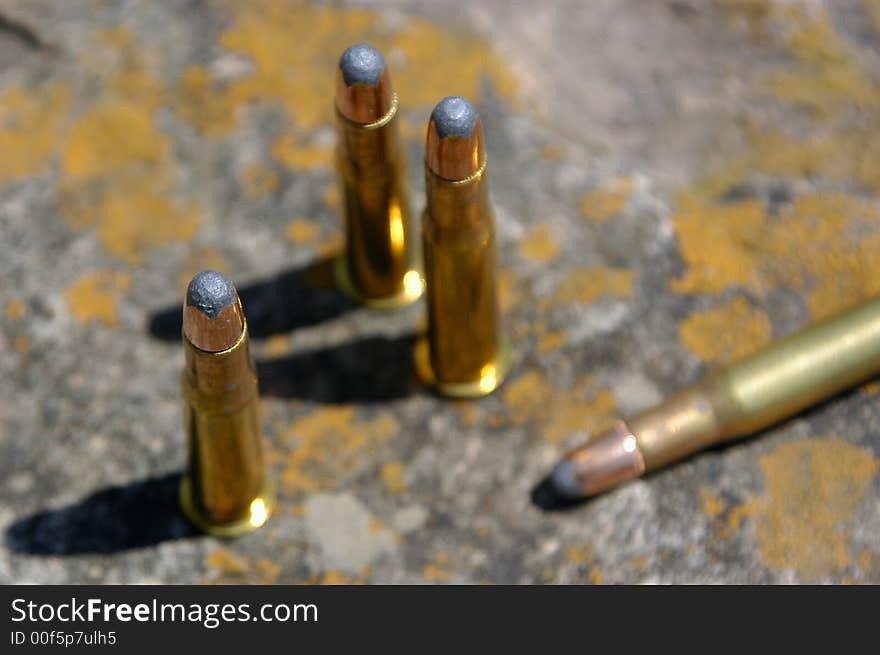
<point>225,490</point>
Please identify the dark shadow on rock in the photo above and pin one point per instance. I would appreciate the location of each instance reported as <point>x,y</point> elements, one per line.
<point>115,519</point>
<point>544,496</point>
<point>374,369</point>
<point>293,299</point>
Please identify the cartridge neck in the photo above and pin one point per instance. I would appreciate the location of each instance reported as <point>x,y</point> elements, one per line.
<point>219,381</point>
<point>458,205</point>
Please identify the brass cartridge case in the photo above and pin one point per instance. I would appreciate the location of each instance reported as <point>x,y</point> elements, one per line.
<point>465,353</point>
<point>225,490</point>
<point>379,265</point>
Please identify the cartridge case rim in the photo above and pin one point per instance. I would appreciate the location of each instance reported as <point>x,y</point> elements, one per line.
<point>408,293</point>
<point>478,388</point>
<point>255,517</point>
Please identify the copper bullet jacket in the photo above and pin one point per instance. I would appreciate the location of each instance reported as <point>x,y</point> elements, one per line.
<point>464,353</point>
<point>225,490</point>
<point>379,266</point>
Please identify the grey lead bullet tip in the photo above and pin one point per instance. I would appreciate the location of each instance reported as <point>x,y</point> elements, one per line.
<point>210,292</point>
<point>455,116</point>
<point>363,64</point>
<point>564,480</point>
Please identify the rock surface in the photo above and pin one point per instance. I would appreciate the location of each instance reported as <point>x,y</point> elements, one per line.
<point>676,183</point>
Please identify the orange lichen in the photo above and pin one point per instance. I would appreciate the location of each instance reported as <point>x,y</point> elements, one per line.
<point>820,244</point>
<point>15,309</point>
<point>559,412</point>
<point>299,155</point>
<point>580,411</point>
<point>229,566</point>
<point>711,504</point>
<point>582,557</point>
<point>539,245</point>
<point>586,285</point>
<point>227,562</point>
<point>549,342</point>
<point>328,445</point>
<point>115,135</point>
<point>718,243</point>
<point>331,196</point>
<point>140,217</point>
<point>95,296</point>
<point>30,124</point>
<point>828,76</point>
<point>526,395</point>
<point>813,487</point>
<point>423,57</point>
<point>393,477</point>
<point>117,167</point>
<point>257,181</point>
<point>598,205</point>
<point>302,230</point>
<point>726,332</point>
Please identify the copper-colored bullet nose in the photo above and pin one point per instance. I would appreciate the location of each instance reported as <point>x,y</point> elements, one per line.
<point>212,314</point>
<point>363,85</point>
<point>455,148</point>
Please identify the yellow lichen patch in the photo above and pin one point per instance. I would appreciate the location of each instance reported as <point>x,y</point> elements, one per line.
<point>257,181</point>
<point>21,343</point>
<point>580,411</point>
<point>15,309</point>
<point>813,486</point>
<point>442,568</point>
<point>598,205</point>
<point>560,412</point>
<point>331,196</point>
<point>526,395</point>
<point>873,7</point>
<point>423,58</point>
<point>227,562</point>
<point>202,103</point>
<point>113,136</point>
<point>95,296</point>
<point>336,577</point>
<point>711,504</point>
<point>586,285</point>
<point>507,289</point>
<point>328,444</point>
<point>393,477</point>
<point>718,244</point>
<point>815,247</point>
<point>300,156</point>
<point>229,566</point>
<point>726,332</point>
<point>302,230</point>
<point>821,245</point>
<point>550,342</point>
<point>117,167</point>
<point>829,76</point>
<point>539,245</point>
<point>582,557</point>
<point>137,218</point>
<point>30,125</point>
